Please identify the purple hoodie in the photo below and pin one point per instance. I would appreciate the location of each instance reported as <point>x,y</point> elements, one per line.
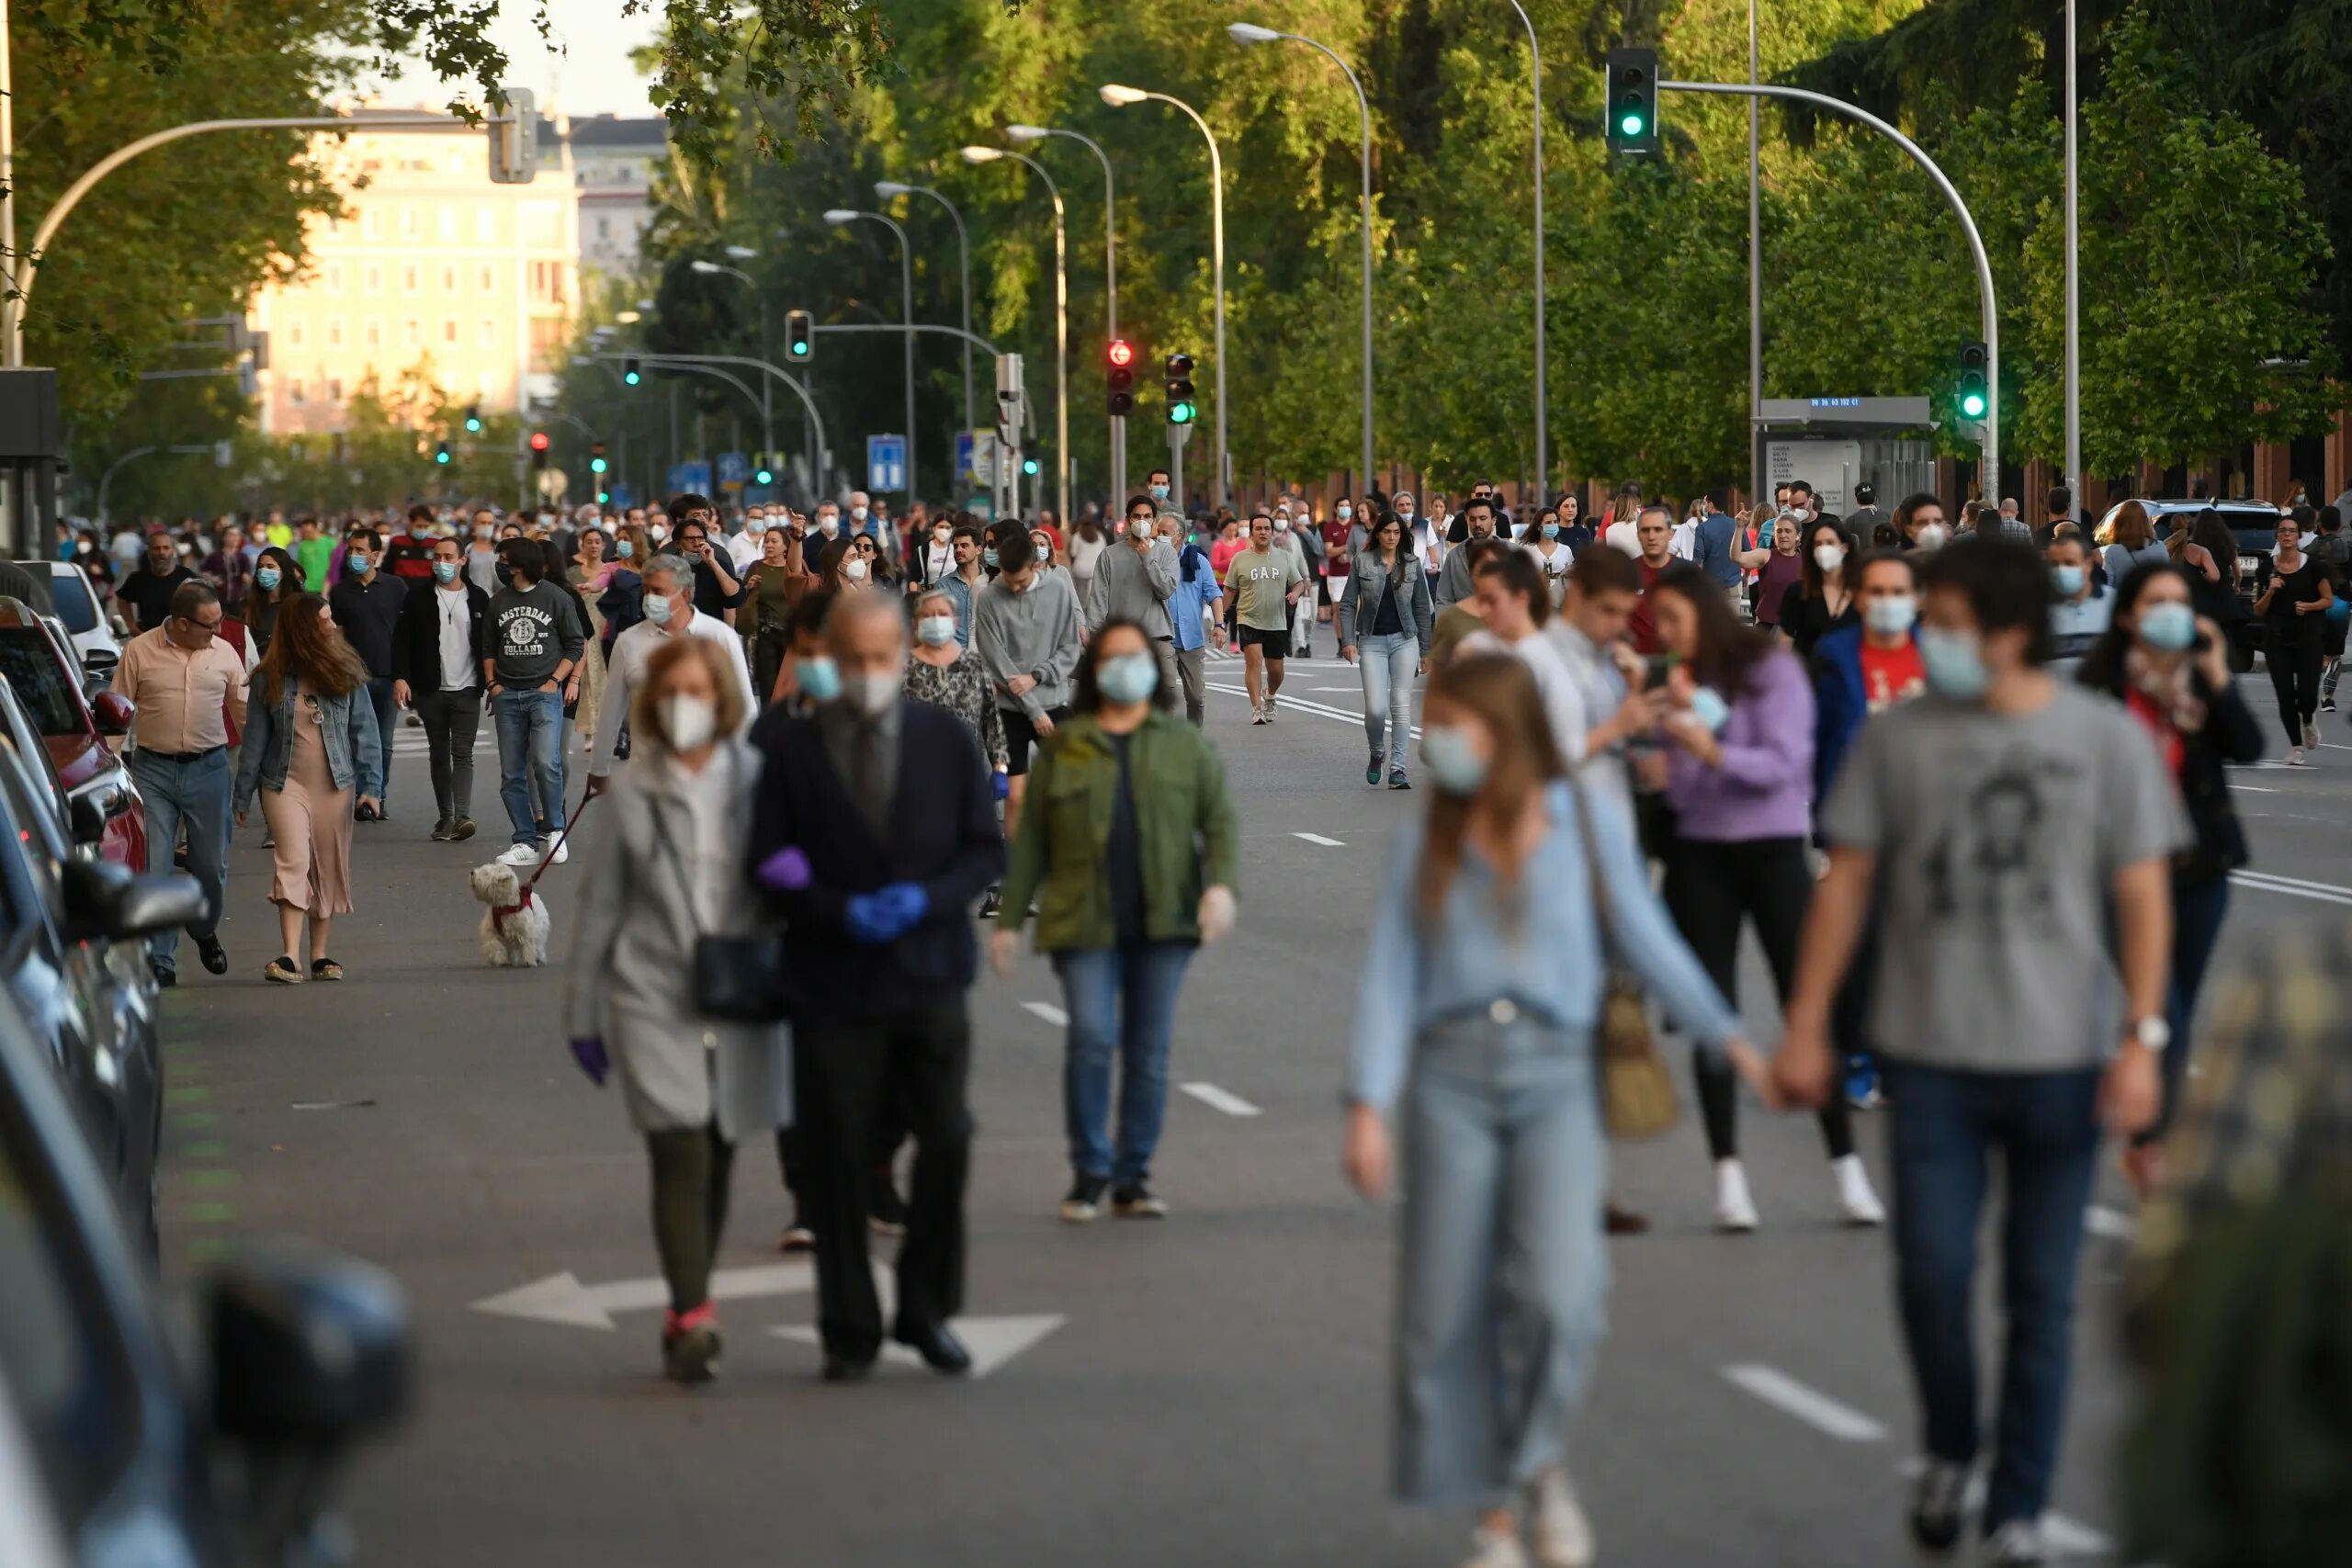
<point>1763,788</point>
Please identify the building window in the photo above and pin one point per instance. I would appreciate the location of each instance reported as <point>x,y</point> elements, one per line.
<point>446,221</point>
<point>409,280</point>
<point>334,332</point>
<point>489,335</point>
<point>604,228</point>
<point>335,277</point>
<point>375,278</point>
<point>486,225</point>
<point>489,281</point>
<point>448,280</point>
<point>412,333</point>
<point>371,223</point>
<point>294,395</point>
<point>294,332</point>
<point>375,332</point>
<point>449,330</point>
<point>334,388</point>
<point>412,226</point>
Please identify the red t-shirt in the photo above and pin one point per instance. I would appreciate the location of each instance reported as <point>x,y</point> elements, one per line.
<point>1221,555</point>
<point>1335,535</point>
<point>1892,675</point>
<point>1638,626</point>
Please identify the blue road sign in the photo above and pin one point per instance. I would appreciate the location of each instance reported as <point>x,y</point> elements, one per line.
<point>886,462</point>
<point>695,476</point>
<point>734,469</point>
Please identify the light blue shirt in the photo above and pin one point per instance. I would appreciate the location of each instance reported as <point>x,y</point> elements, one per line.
<point>960,593</point>
<point>1193,595</point>
<point>1545,959</point>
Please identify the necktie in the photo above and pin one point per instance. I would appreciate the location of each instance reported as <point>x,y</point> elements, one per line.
<point>868,769</point>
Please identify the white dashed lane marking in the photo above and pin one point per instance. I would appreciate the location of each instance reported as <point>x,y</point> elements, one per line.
<point>1050,1013</point>
<point>1809,1405</point>
<point>1208,1094</point>
<point>1320,839</point>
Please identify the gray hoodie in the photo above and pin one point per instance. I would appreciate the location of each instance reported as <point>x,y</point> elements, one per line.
<point>1038,632</point>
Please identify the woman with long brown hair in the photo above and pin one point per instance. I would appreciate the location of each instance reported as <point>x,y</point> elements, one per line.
<point>1478,1006</point>
<point>310,743</point>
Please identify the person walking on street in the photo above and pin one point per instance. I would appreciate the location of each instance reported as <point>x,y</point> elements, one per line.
<point>1132,861</point>
<point>1191,615</point>
<point>2080,609</point>
<point>939,672</point>
<point>1134,579</point>
<point>187,692</point>
<point>1476,1007</point>
<point>1454,583</point>
<point>311,746</point>
<point>1738,771</point>
<point>670,613</point>
<point>442,642</point>
<point>1823,600</point>
<point>2291,598</point>
<point>873,831</point>
<point>1265,582</point>
<point>535,644</point>
<point>1385,623</point>
<point>278,580</point>
<point>963,584</point>
<point>1027,628</point>
<point>366,605</point>
<point>666,872</point>
<point>773,583</point>
<point>2134,545</point>
<point>1957,827</point>
<point>144,596</point>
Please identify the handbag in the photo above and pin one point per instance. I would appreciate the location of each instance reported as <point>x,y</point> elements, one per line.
<point>1638,1098</point>
<point>737,979</point>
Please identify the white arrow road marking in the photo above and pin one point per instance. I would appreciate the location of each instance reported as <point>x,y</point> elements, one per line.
<point>1813,1408</point>
<point>1050,1013</point>
<point>1208,1094</point>
<point>2065,1537</point>
<point>561,1298</point>
<point>993,1341</point>
<point>2108,1222</point>
<point>1320,839</point>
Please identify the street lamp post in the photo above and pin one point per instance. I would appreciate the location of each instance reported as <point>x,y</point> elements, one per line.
<point>1110,281</point>
<point>1119,96</point>
<point>1542,427</point>
<point>2074,288</point>
<point>720,269</point>
<point>838,215</point>
<point>1061,318</point>
<point>888,189</point>
<point>1247,32</point>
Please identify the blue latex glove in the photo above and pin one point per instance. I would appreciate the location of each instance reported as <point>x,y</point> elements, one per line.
<point>1002,783</point>
<point>906,902</point>
<point>868,921</point>
<point>590,1054</point>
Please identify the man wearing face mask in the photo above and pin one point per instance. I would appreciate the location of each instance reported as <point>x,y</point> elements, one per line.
<point>873,831</point>
<point>1864,670</point>
<point>409,554</point>
<point>669,612</point>
<point>1454,583</point>
<point>2080,609</point>
<point>1134,579</point>
<point>865,519</point>
<point>437,653</point>
<point>1156,486</point>
<point>537,641</point>
<point>1336,543</point>
<point>1029,631</point>
<point>482,552</point>
<point>366,605</point>
<point>2004,934</point>
<point>826,529</point>
<point>1188,612</point>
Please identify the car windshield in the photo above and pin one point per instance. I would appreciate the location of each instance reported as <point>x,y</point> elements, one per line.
<point>74,606</point>
<point>40,682</point>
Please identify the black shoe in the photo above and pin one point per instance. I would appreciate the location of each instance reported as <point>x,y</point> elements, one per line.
<point>1398,781</point>
<point>937,1345</point>
<point>1084,1204</point>
<point>1939,1502</point>
<point>886,1210</point>
<point>163,977</point>
<point>991,902</point>
<point>1136,1201</point>
<point>846,1368</point>
<point>2327,706</point>
<point>442,830</point>
<point>215,957</point>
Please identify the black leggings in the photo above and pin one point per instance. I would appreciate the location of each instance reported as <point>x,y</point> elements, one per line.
<point>1709,889</point>
<point>690,1177</point>
<point>2294,674</point>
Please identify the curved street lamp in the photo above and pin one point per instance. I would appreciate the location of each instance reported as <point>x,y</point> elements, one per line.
<point>1061,319</point>
<point>1110,276</point>
<point>886,189</point>
<point>837,217</point>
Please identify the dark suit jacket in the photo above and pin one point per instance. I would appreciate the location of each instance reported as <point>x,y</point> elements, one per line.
<point>416,641</point>
<point>943,837</point>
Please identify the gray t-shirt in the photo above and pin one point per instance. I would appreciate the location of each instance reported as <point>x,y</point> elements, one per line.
<point>1999,838</point>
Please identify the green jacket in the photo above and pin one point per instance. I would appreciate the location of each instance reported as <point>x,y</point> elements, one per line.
<point>1185,829</point>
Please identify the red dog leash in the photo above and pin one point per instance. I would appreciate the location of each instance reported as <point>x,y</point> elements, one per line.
<point>501,911</point>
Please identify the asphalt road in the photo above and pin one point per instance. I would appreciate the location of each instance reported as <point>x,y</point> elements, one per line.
<point>1208,1391</point>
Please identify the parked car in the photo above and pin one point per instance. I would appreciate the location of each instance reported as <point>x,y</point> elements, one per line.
<point>73,607</point>
<point>144,1450</point>
<point>75,729</point>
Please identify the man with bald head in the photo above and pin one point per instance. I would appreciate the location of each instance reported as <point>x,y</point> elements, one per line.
<point>872,832</point>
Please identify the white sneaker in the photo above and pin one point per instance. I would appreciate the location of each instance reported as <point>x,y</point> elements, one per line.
<point>1563,1537</point>
<point>1856,1197</point>
<point>2311,736</point>
<point>1735,1210</point>
<point>562,848</point>
<point>520,854</point>
<point>2017,1544</point>
<point>1490,1550</point>
<point>2295,756</point>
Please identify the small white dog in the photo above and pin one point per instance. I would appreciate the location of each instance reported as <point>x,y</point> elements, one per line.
<point>514,927</point>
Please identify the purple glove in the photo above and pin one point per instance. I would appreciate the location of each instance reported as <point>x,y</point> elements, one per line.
<point>786,870</point>
<point>1004,785</point>
<point>590,1054</point>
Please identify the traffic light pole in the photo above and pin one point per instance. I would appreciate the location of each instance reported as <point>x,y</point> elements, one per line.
<point>1990,479</point>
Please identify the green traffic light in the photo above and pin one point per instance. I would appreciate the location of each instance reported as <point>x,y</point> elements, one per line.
<point>604,496</point>
<point>800,349</point>
<point>1029,465</point>
<point>442,457</point>
<point>1182,413</point>
<point>764,477</point>
<point>630,376</point>
<point>1972,405</point>
<point>1631,125</point>
<point>595,464</point>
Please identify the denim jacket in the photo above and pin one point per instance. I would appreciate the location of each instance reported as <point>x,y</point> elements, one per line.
<point>355,751</point>
<point>1360,600</point>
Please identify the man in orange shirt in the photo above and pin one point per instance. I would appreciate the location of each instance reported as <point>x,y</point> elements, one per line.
<point>188,689</point>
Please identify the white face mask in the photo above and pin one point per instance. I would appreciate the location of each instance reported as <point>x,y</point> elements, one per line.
<point>690,722</point>
<point>829,527</point>
<point>854,570</point>
<point>942,538</point>
<point>1831,556</point>
<point>1933,536</point>
<point>1282,525</point>
<point>857,514</point>
<point>937,631</point>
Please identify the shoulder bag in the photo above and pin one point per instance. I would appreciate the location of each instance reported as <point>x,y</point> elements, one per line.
<point>1637,1094</point>
<point>738,979</point>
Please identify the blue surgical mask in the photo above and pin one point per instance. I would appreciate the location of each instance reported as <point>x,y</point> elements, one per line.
<point>1707,705</point>
<point>359,562</point>
<point>987,558</point>
<point>1954,663</point>
<point>2067,580</point>
<point>658,609</point>
<point>2168,628</point>
<point>624,548</point>
<point>937,631</point>
<point>1892,617</point>
<point>1130,678</point>
<point>821,680</point>
<point>1159,492</point>
<point>1550,530</point>
<point>266,578</point>
<point>443,571</point>
<point>1454,762</point>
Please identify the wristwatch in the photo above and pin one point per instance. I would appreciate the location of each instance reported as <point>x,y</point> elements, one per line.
<point>2151,1032</point>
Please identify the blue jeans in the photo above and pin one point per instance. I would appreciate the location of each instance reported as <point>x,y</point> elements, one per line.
<point>1386,663</point>
<point>388,719</point>
<point>2197,912</point>
<point>2045,1128</point>
<point>1505,1277</point>
<point>530,760</point>
<point>1095,981</point>
<point>197,794</point>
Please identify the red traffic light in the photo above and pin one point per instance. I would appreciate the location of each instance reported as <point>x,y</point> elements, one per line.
<point>1123,353</point>
<point>538,441</point>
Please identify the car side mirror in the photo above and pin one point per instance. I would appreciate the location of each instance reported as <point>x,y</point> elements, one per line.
<point>87,817</point>
<point>112,712</point>
<point>105,902</point>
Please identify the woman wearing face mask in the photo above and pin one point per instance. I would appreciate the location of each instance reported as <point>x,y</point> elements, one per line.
<point>935,561</point>
<point>277,580</point>
<point>772,586</point>
<point>833,568</point>
<point>1131,859</point>
<point>311,742</point>
<point>881,570</point>
<point>941,671</point>
<point>667,870</point>
<point>1555,559</point>
<point>621,603</point>
<point>1049,546</point>
<point>1823,601</point>
<point>2293,601</point>
<point>1740,778</point>
<point>1476,1011</point>
<point>2171,670</point>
